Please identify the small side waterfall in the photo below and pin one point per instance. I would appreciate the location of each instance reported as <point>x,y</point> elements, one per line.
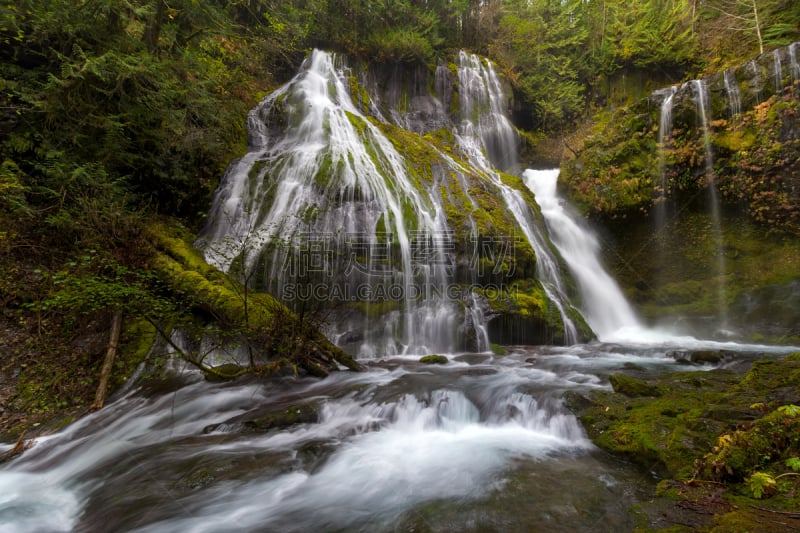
<point>664,134</point>
<point>777,71</point>
<point>701,101</point>
<point>734,97</point>
<point>794,67</point>
<point>755,72</point>
<point>605,308</point>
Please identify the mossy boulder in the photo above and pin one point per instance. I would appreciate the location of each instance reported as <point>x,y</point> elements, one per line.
<point>434,360</point>
<point>270,418</point>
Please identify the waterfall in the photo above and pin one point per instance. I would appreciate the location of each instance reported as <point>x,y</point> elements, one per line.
<point>661,202</point>
<point>323,211</point>
<point>701,101</point>
<point>322,205</point>
<point>794,67</point>
<point>777,71</point>
<point>602,303</point>
<point>756,73</point>
<point>734,97</point>
<point>486,136</point>
<point>664,133</point>
<point>483,112</point>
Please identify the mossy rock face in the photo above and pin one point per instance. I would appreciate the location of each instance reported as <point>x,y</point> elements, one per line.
<point>622,171</point>
<point>675,431</point>
<point>434,360</point>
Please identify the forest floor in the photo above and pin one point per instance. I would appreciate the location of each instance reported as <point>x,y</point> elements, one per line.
<point>45,381</point>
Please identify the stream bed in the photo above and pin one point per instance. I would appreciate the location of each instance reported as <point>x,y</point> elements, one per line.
<point>482,443</point>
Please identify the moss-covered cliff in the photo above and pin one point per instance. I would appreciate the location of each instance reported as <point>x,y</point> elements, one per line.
<point>702,219</point>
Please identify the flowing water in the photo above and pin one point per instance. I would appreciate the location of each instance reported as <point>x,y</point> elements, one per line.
<point>482,443</point>
<point>486,144</point>
<point>734,96</point>
<point>701,101</point>
<point>664,135</point>
<point>602,303</point>
<point>794,67</point>
<point>777,71</point>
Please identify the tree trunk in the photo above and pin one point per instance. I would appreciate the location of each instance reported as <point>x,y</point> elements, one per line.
<point>108,362</point>
<point>152,30</point>
<point>758,28</point>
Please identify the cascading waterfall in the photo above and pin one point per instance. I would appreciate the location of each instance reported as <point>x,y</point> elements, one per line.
<point>605,308</point>
<point>483,114</point>
<point>734,97</point>
<point>661,202</point>
<point>777,70</point>
<point>486,142</point>
<point>324,209</point>
<point>701,101</point>
<point>756,73</point>
<point>664,133</point>
<point>327,183</point>
<point>794,67</point>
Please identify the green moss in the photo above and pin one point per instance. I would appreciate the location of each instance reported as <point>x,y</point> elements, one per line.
<point>137,340</point>
<point>691,420</point>
<point>256,314</point>
<point>434,360</point>
<point>632,387</point>
<point>497,349</point>
<point>294,414</point>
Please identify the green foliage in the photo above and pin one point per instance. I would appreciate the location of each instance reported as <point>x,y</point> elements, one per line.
<point>790,410</point>
<point>537,43</point>
<point>94,284</point>
<point>643,33</point>
<point>12,191</point>
<point>761,484</point>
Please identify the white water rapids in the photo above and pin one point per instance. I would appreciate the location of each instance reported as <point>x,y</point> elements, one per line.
<point>481,442</point>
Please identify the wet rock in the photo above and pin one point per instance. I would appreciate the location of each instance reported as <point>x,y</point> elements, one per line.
<point>577,401</point>
<point>473,358</point>
<point>434,360</point>
<point>224,372</point>
<point>294,414</point>
<point>700,357</point>
<point>706,356</point>
<point>262,420</point>
<point>682,357</point>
